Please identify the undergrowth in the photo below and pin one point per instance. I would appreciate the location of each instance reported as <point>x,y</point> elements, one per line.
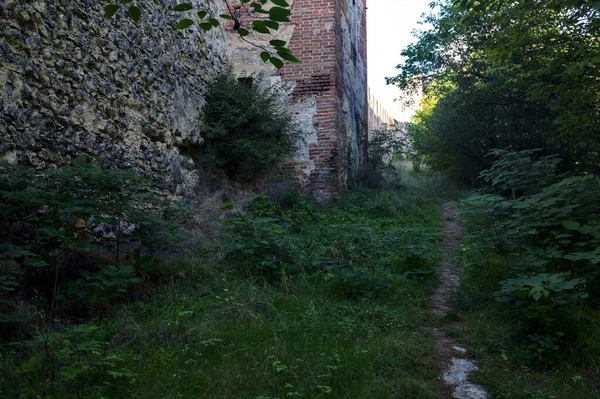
<point>294,301</point>
<point>529,294</point>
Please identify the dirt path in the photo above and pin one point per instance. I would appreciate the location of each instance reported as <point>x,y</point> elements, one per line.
<point>453,357</point>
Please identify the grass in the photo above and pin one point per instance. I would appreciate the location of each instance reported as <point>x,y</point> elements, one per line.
<point>349,318</point>
<point>246,341</point>
<point>209,331</point>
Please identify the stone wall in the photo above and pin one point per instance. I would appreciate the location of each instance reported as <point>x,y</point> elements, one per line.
<point>73,83</point>
<point>353,91</point>
<point>379,117</point>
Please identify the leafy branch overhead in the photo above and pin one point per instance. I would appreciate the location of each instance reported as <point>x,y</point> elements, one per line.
<point>266,18</point>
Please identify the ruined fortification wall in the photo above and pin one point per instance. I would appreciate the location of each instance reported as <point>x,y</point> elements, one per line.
<point>379,116</point>
<point>353,90</point>
<point>73,83</point>
<point>328,86</point>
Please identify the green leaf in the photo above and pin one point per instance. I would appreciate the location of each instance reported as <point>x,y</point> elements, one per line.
<point>265,55</point>
<point>182,7</point>
<point>226,16</point>
<point>111,9</point>
<point>536,294</point>
<point>184,24</point>
<point>243,32</point>
<point>279,14</point>
<point>272,24</point>
<point>287,56</point>
<point>260,27</point>
<point>571,225</point>
<point>128,269</point>
<point>202,14</point>
<point>277,63</point>
<point>85,274</point>
<point>135,13</point>
<point>281,3</point>
<point>206,26</point>
<point>277,43</point>
<point>214,22</point>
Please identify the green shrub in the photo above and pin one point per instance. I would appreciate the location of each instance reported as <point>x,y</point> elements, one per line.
<point>547,232</point>
<point>261,247</point>
<point>383,145</point>
<point>247,131</point>
<point>69,363</point>
<point>379,173</point>
<point>79,236</point>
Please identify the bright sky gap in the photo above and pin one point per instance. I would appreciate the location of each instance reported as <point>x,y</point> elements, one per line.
<point>389,30</point>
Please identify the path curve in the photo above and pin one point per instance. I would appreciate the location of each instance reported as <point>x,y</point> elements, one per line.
<point>450,354</point>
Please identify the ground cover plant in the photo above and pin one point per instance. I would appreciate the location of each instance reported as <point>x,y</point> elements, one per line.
<point>530,296</point>
<point>294,301</point>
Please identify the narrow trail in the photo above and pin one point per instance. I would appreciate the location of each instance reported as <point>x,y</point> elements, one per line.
<point>453,357</point>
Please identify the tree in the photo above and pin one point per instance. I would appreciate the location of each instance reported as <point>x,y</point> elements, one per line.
<point>266,15</point>
<point>507,74</point>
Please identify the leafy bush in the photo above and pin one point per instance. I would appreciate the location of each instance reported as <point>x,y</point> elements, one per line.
<point>247,131</point>
<point>69,363</point>
<point>547,231</point>
<point>383,144</point>
<point>75,236</point>
<point>379,172</point>
<point>260,247</point>
<point>520,173</point>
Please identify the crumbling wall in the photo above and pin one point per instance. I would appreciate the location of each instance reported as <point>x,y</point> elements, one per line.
<point>73,83</point>
<point>329,89</point>
<point>353,91</point>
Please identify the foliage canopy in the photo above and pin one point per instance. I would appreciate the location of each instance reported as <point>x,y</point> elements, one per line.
<point>503,74</point>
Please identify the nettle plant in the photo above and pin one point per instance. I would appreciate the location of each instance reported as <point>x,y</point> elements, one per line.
<point>266,17</point>
<point>547,231</point>
<point>261,247</point>
<point>71,363</point>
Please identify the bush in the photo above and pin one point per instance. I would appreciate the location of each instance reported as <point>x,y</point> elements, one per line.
<point>548,233</point>
<point>247,130</point>
<point>379,173</point>
<point>261,247</point>
<point>383,145</point>
<point>79,236</point>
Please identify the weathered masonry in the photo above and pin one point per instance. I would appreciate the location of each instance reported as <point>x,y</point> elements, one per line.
<point>73,83</point>
<point>328,87</point>
<point>379,116</point>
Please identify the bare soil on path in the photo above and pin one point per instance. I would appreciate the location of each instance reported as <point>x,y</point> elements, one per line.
<point>451,356</point>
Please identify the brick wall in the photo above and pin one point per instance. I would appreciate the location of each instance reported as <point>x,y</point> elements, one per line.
<point>329,88</point>
<point>330,39</point>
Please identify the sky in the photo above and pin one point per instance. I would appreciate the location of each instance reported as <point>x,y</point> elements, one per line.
<point>389,27</point>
